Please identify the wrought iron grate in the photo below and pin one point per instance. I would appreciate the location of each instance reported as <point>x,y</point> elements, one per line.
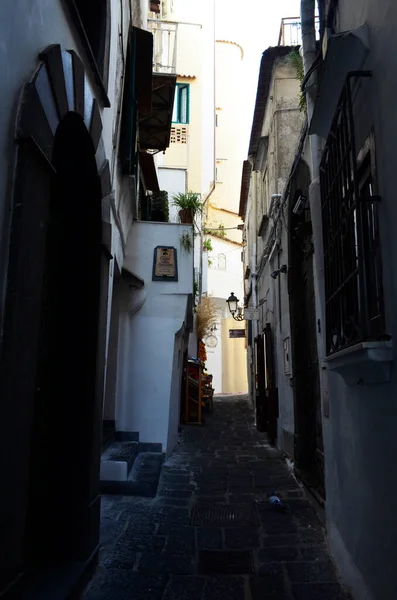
<point>353,282</point>
<point>223,515</point>
<point>214,562</point>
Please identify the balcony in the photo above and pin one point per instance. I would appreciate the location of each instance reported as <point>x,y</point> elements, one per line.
<point>164,45</point>
<point>291,31</point>
<point>155,129</point>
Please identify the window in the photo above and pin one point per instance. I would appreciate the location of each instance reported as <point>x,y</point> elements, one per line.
<point>352,264</point>
<point>222,262</point>
<point>180,113</point>
<point>95,19</point>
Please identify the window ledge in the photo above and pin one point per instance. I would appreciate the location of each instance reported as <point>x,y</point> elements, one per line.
<point>367,362</point>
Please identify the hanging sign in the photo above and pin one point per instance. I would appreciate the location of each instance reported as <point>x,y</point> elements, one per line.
<point>165,264</point>
<point>251,314</point>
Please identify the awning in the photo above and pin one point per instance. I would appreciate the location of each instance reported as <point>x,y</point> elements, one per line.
<point>148,171</point>
<point>346,52</point>
<point>155,129</point>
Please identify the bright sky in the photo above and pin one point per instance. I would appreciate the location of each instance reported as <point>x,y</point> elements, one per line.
<point>255,24</point>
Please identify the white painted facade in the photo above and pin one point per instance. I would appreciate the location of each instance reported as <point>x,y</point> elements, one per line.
<point>225,273</point>
<point>153,331</point>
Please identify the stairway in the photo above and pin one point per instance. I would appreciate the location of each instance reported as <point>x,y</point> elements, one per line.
<point>130,468</point>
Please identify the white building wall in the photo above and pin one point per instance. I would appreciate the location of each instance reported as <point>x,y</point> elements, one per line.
<point>222,282</point>
<point>150,363</point>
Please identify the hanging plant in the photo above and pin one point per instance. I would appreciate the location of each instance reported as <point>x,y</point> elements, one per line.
<point>207,245</point>
<point>186,242</point>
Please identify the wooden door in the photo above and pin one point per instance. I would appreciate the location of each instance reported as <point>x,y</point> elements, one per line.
<point>260,385</point>
<point>271,390</point>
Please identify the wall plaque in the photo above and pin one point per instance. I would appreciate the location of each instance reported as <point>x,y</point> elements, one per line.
<point>165,264</point>
<point>237,333</point>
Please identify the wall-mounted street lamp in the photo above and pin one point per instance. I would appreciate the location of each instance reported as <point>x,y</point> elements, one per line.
<point>282,269</point>
<point>235,310</point>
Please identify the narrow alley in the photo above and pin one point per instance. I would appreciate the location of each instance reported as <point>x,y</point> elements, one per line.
<point>210,533</point>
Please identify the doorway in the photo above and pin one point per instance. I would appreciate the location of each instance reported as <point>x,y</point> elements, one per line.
<point>62,502</point>
<point>309,450</point>
<point>267,391</point>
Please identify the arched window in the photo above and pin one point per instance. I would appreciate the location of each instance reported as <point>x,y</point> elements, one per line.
<point>222,262</point>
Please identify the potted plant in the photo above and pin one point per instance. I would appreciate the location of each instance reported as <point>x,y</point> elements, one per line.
<point>189,205</point>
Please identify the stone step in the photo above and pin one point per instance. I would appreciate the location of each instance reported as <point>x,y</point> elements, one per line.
<point>142,480</point>
<point>117,461</point>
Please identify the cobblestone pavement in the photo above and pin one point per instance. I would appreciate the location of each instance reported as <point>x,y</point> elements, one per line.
<point>210,533</point>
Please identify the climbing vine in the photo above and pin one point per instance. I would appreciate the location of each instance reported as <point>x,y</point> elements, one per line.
<point>297,62</point>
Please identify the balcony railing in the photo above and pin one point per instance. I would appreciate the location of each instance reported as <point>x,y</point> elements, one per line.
<point>164,45</point>
<point>291,31</point>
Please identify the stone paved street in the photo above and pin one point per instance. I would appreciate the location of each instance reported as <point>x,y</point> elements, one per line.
<point>210,533</point>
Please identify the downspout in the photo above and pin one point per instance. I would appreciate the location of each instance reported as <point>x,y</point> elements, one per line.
<point>309,56</point>
<point>213,185</point>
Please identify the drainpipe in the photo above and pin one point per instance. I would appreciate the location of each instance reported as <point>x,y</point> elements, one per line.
<point>213,185</point>
<point>309,55</point>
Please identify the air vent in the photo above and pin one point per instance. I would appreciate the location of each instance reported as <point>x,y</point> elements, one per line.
<point>179,134</point>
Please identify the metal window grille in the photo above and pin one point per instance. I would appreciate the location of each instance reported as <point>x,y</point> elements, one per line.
<point>352,264</point>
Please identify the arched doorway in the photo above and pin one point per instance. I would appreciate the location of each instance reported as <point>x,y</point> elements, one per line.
<point>309,452</point>
<point>53,326</point>
<point>67,363</point>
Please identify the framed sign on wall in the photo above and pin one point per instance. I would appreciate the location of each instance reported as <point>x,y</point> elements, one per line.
<point>165,264</point>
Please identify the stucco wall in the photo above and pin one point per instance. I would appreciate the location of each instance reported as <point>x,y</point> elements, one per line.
<point>146,400</point>
<point>26,28</point>
<point>195,61</point>
<point>230,133</point>
<point>234,375</point>
<point>228,360</point>
<point>360,436</point>
<point>282,125</point>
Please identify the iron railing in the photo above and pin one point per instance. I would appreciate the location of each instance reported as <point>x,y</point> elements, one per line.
<point>352,265</point>
<point>291,31</point>
<point>164,45</point>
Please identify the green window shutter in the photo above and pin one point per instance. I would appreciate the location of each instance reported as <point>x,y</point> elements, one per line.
<point>184,104</point>
<point>180,113</point>
<point>129,114</point>
<point>176,104</point>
